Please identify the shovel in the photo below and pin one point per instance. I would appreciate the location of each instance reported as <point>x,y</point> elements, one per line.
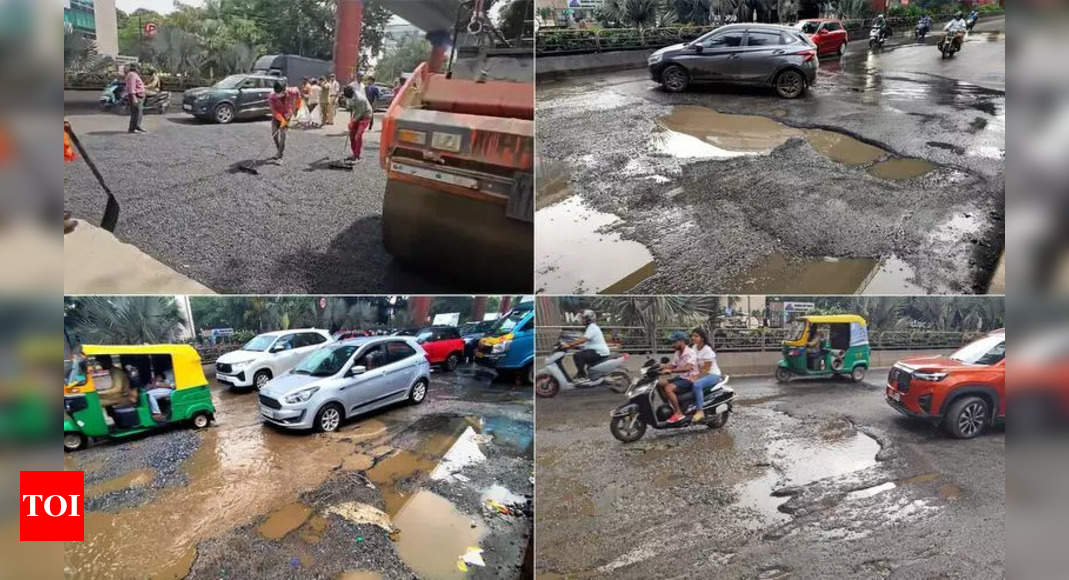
<point>250,165</point>
<point>111,210</point>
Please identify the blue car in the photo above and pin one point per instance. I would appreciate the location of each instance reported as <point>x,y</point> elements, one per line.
<point>509,345</point>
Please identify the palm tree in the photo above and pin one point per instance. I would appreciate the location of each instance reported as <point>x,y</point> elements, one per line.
<point>650,311</point>
<point>127,319</point>
<point>692,11</point>
<point>261,313</point>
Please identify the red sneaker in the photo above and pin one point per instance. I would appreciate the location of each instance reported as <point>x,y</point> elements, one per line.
<point>676,417</point>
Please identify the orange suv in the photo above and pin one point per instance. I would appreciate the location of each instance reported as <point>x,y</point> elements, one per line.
<point>965,392</point>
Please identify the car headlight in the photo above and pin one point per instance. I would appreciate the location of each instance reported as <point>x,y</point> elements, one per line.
<point>201,98</point>
<point>654,58</point>
<point>930,377</point>
<point>301,395</point>
<point>502,346</point>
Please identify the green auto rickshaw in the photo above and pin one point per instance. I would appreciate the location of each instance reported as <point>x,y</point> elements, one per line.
<point>823,346</point>
<point>101,398</point>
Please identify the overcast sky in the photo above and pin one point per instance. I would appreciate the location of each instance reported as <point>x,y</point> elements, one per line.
<point>161,6</point>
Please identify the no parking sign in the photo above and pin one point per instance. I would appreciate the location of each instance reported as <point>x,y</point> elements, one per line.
<point>151,28</point>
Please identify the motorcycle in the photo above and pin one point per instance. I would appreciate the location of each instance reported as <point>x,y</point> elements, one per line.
<point>921,31</point>
<point>971,22</point>
<point>950,44</point>
<point>114,98</point>
<point>629,421</point>
<point>876,38</point>
<point>609,372</point>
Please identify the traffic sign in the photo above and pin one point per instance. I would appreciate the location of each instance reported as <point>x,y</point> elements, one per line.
<point>151,28</point>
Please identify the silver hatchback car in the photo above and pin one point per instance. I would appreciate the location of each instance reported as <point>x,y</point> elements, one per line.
<point>345,379</point>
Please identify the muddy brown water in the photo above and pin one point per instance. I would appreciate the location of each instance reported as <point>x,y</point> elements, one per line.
<point>132,479</point>
<point>434,534</point>
<point>778,273</point>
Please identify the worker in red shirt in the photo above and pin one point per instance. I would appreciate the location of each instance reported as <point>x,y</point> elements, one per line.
<point>283,104</point>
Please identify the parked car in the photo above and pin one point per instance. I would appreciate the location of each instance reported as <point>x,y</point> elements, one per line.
<point>385,97</point>
<point>268,355</point>
<point>345,379</point>
<point>471,332</point>
<point>291,66</point>
<point>509,345</point>
<point>443,345</point>
<point>236,96</point>
<point>746,54</point>
<point>827,34</point>
<point>964,392</point>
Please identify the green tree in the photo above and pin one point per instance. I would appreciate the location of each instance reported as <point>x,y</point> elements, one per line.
<point>124,319</point>
<point>405,57</point>
<point>695,12</point>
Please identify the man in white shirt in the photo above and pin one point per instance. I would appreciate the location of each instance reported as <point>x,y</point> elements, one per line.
<point>595,349</point>
<point>683,364</point>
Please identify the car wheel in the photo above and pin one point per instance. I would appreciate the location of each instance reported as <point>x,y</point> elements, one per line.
<point>782,375</point>
<point>260,379</point>
<point>74,441</point>
<point>790,84</point>
<point>842,49</point>
<point>224,113</point>
<point>418,392</point>
<point>328,418</point>
<point>546,386</point>
<point>451,362</point>
<point>528,374</point>
<point>201,420</point>
<point>858,374</point>
<point>675,78</point>
<point>967,417</point>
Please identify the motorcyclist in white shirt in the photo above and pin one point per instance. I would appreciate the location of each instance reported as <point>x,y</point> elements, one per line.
<point>955,27</point>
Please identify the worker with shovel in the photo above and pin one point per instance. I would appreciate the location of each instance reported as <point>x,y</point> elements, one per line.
<point>359,118</point>
<point>283,102</point>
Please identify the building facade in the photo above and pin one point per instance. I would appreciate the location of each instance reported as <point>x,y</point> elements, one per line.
<point>95,20</point>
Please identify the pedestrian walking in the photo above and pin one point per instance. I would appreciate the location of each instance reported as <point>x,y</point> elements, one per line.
<point>359,119</point>
<point>135,92</point>
<point>335,95</point>
<point>282,102</point>
<point>325,101</point>
<point>373,93</point>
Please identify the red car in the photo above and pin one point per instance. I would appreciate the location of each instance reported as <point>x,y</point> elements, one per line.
<point>965,392</point>
<point>827,33</point>
<point>443,344</point>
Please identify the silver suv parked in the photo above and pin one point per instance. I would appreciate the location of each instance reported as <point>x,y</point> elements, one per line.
<point>344,379</point>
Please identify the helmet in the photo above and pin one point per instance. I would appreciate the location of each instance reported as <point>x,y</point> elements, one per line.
<point>678,335</point>
<point>957,14</point>
<point>588,316</point>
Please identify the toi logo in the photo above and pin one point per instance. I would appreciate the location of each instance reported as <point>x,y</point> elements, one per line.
<point>51,506</point>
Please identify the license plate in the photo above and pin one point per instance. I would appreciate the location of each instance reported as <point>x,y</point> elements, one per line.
<point>894,395</point>
<point>223,379</point>
<point>720,408</point>
<point>442,176</point>
<point>187,107</point>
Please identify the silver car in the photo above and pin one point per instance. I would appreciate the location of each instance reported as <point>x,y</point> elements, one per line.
<point>345,379</point>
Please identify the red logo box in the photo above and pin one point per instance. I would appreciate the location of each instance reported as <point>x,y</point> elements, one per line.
<point>51,506</point>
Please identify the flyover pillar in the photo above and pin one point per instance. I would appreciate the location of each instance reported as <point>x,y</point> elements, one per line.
<point>349,20</point>
<point>439,40</point>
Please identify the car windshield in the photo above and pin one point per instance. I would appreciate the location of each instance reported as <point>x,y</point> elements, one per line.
<point>507,323</point>
<point>424,336</point>
<point>808,26</point>
<point>986,351</point>
<point>325,361</point>
<point>230,82</point>
<point>260,343</point>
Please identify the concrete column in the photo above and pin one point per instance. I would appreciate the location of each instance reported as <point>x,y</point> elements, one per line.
<point>419,307</point>
<point>439,40</point>
<point>478,308</point>
<point>506,304</point>
<point>349,20</point>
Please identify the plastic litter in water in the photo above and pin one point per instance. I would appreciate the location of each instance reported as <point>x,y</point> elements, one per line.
<point>465,451</point>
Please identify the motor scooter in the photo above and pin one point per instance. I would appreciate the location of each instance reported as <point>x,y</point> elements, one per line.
<point>921,31</point>
<point>114,97</point>
<point>876,38</point>
<point>610,372</point>
<point>629,421</point>
<point>971,21</point>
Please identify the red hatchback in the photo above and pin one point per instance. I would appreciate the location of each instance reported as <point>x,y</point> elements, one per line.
<point>443,345</point>
<point>827,33</point>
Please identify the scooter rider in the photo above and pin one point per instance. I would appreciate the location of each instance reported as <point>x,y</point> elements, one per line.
<point>925,23</point>
<point>683,362</point>
<point>955,27</point>
<point>594,350</point>
<point>885,28</point>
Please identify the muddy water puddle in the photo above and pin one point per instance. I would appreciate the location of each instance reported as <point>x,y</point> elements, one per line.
<point>284,520</point>
<point>730,135</point>
<point>240,471</point>
<point>434,534</point>
<point>604,262</point>
<point>132,479</point>
<point>798,462</point>
<point>778,273</point>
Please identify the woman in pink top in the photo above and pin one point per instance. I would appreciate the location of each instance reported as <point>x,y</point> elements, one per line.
<point>135,91</point>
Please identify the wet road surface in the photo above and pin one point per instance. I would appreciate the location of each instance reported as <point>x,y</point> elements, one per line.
<point>886,177</point>
<point>241,499</point>
<point>296,228</point>
<point>806,480</point>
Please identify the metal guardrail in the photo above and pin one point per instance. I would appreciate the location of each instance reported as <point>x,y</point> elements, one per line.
<point>634,339</point>
<point>563,41</point>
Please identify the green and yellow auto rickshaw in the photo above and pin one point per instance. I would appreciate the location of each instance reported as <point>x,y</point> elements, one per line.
<point>102,398</point>
<point>823,346</point>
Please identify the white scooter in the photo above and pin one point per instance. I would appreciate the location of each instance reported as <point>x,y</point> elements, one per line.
<point>610,372</point>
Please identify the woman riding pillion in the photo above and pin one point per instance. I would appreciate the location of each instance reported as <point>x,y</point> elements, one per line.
<point>708,371</point>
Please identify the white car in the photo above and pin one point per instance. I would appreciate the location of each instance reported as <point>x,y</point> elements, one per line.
<point>268,355</point>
